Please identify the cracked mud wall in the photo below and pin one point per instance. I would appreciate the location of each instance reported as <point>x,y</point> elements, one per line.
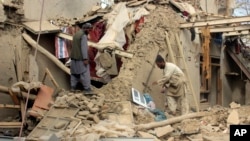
<point>42,62</point>
<point>10,40</point>
<point>2,14</point>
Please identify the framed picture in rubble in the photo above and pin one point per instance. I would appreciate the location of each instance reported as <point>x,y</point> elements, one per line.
<point>138,98</point>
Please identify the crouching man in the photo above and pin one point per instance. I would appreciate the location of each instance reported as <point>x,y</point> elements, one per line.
<point>173,85</point>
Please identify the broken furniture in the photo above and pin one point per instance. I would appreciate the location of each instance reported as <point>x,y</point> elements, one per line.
<point>54,121</point>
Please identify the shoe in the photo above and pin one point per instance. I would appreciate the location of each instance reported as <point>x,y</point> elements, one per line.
<point>87,91</point>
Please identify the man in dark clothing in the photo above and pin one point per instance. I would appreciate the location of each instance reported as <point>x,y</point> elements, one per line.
<point>79,67</point>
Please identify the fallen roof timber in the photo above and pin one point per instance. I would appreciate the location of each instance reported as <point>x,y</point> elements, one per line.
<point>215,22</point>
<point>234,33</point>
<point>228,29</point>
<point>99,46</point>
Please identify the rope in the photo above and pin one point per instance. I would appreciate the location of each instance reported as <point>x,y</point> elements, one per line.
<point>27,98</point>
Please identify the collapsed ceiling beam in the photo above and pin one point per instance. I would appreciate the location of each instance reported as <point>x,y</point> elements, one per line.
<point>235,33</point>
<point>228,29</point>
<point>215,22</point>
<point>100,46</point>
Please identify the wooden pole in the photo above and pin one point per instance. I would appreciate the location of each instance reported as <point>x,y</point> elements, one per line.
<point>45,52</point>
<point>171,120</point>
<point>4,89</point>
<point>187,73</point>
<point>171,54</point>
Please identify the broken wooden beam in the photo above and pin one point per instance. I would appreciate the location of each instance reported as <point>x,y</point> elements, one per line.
<point>4,89</point>
<point>45,52</point>
<point>25,95</point>
<point>10,106</point>
<point>215,22</point>
<point>100,46</point>
<point>228,29</point>
<point>10,124</point>
<point>52,79</point>
<point>171,120</point>
<point>92,44</point>
<point>235,33</point>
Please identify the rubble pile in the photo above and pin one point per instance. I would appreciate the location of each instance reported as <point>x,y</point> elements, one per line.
<point>102,114</point>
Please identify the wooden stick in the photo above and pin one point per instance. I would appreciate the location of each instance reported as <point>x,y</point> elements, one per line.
<point>10,124</point>
<point>45,52</point>
<point>14,97</point>
<point>47,72</point>
<point>10,106</point>
<point>171,120</point>
<point>4,89</point>
<point>31,96</point>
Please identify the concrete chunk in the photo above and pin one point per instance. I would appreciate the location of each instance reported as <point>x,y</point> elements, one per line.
<point>162,131</point>
<point>147,135</point>
<point>234,105</point>
<point>233,117</point>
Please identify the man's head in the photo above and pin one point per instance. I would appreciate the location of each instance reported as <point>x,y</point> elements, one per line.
<point>87,26</point>
<point>160,62</point>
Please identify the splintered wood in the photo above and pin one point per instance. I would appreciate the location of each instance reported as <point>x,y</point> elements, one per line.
<point>206,66</point>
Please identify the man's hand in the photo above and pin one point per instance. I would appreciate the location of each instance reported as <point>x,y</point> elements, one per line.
<point>163,89</point>
<point>154,83</point>
<point>86,62</point>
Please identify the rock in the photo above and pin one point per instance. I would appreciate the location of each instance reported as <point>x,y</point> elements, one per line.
<point>150,7</point>
<point>147,135</point>
<point>233,117</point>
<point>162,131</point>
<point>59,125</point>
<point>83,113</point>
<point>189,126</point>
<point>234,105</point>
<point>171,139</point>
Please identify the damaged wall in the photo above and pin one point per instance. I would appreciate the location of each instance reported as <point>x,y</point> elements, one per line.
<point>57,8</point>
<point>192,58</point>
<point>10,40</point>
<point>42,62</point>
<point>233,86</point>
<point>2,14</point>
<point>218,6</point>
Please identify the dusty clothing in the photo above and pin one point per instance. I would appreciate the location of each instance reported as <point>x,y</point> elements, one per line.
<point>174,81</point>
<point>79,71</point>
<point>180,103</point>
<point>80,45</point>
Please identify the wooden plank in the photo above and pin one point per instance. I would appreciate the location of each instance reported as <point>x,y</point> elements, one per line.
<point>46,27</point>
<point>228,29</point>
<point>136,3</point>
<point>234,33</point>
<point>4,89</point>
<point>10,124</point>
<point>9,106</point>
<point>123,53</point>
<point>14,97</point>
<point>116,51</point>
<point>51,77</point>
<point>65,36</point>
<point>45,52</point>
<point>23,112</point>
<point>239,63</point>
<point>171,54</point>
<point>187,73</point>
<point>215,22</point>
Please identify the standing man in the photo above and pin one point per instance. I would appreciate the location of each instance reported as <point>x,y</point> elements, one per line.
<point>173,85</point>
<point>79,67</point>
